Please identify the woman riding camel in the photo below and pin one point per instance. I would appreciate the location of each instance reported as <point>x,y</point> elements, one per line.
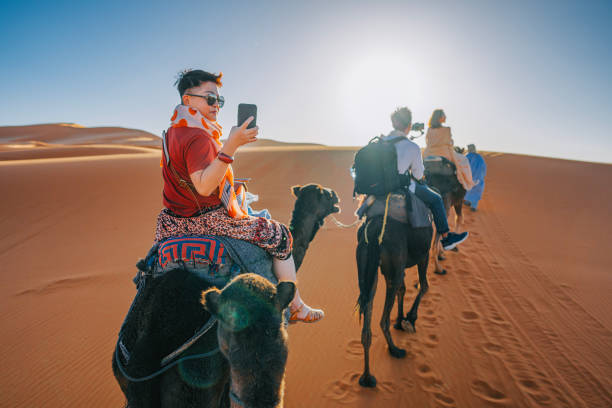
<point>200,196</point>
<point>439,142</point>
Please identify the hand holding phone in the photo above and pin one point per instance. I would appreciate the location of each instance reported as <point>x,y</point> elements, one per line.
<point>246,110</point>
<point>246,131</point>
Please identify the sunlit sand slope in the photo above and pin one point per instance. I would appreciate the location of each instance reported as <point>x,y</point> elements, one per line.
<point>523,318</point>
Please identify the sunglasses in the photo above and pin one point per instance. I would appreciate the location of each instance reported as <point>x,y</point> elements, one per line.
<point>211,99</point>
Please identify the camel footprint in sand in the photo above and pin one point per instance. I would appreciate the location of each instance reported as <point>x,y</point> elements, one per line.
<point>433,385</point>
<point>347,390</point>
<point>533,390</point>
<point>431,321</point>
<point>354,348</point>
<point>486,392</point>
<point>469,316</point>
<point>493,348</point>
<point>431,341</point>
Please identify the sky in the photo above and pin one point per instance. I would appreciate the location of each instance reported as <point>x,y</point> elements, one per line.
<point>528,77</point>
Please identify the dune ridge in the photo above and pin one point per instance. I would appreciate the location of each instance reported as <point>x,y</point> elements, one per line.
<point>71,140</point>
<point>64,133</point>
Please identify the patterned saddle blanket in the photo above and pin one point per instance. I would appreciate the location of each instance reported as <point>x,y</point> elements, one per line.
<point>214,258</point>
<point>202,250</point>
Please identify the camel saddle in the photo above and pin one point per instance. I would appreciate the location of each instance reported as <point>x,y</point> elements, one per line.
<point>441,174</point>
<point>214,258</point>
<point>418,215</point>
<point>440,166</point>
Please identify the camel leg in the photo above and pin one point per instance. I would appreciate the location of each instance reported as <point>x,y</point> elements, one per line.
<point>458,206</point>
<point>440,256</point>
<point>441,249</point>
<point>422,267</point>
<point>368,260</point>
<point>393,280</point>
<point>447,207</point>
<point>410,322</point>
<point>459,216</point>
<point>437,247</point>
<point>367,379</point>
<point>400,306</point>
<point>457,203</point>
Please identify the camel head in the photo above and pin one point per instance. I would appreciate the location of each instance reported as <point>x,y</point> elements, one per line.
<point>313,203</point>
<point>252,336</point>
<point>318,200</point>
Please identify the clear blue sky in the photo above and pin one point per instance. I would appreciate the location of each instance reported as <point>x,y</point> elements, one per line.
<point>530,77</point>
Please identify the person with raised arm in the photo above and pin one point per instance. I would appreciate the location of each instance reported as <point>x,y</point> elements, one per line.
<point>200,194</point>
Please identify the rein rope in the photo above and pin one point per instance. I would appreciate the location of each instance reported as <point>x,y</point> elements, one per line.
<point>163,370</point>
<point>166,363</point>
<point>209,324</point>
<point>235,398</point>
<point>341,225</point>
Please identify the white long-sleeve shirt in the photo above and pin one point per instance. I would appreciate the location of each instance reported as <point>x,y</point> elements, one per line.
<point>409,157</point>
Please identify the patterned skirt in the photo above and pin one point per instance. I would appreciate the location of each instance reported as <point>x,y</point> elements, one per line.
<point>270,235</point>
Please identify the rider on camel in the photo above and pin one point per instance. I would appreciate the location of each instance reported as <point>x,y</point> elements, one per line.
<point>409,161</point>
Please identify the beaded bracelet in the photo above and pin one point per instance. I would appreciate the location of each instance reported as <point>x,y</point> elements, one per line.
<point>225,158</point>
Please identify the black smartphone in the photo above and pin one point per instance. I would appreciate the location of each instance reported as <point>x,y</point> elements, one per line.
<point>246,110</point>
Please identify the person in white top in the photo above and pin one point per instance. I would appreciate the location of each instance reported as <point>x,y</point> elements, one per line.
<point>410,164</point>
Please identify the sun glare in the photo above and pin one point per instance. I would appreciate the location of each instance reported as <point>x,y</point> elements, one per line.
<point>374,86</point>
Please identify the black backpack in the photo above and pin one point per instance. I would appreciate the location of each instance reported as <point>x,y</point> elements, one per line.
<point>375,167</point>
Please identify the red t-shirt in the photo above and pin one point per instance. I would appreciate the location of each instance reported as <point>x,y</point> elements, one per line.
<point>190,150</point>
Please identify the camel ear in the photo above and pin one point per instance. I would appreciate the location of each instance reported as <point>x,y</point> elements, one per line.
<point>296,190</point>
<point>210,300</point>
<point>285,291</point>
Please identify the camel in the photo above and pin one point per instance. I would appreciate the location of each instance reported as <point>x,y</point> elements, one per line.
<point>401,247</point>
<point>168,310</point>
<point>252,337</point>
<point>442,177</point>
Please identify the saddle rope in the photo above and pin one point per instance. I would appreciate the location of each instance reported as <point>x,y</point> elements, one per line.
<point>382,231</point>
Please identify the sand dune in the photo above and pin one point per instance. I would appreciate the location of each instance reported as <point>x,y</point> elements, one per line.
<point>70,133</point>
<point>521,320</point>
<point>73,140</point>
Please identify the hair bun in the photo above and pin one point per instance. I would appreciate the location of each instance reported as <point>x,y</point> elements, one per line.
<point>181,74</point>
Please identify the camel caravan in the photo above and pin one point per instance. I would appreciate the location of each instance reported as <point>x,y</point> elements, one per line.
<point>217,290</point>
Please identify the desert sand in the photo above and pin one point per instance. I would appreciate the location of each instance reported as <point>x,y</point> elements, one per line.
<point>523,318</point>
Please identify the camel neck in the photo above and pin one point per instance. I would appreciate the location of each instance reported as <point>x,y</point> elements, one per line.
<point>303,230</point>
